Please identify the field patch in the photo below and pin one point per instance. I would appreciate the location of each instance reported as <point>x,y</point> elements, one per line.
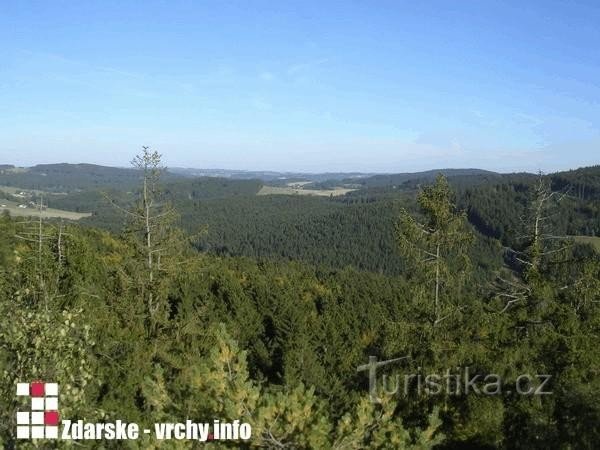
<point>27,193</point>
<point>289,190</point>
<point>594,241</point>
<point>26,210</point>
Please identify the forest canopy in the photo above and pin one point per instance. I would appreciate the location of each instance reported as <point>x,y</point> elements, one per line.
<point>198,299</point>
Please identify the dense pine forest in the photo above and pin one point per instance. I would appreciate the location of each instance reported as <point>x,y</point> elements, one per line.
<point>184,297</point>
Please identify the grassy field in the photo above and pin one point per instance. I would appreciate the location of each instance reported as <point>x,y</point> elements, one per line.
<point>298,184</point>
<point>593,240</point>
<point>14,210</point>
<point>16,170</point>
<point>29,192</point>
<point>276,190</point>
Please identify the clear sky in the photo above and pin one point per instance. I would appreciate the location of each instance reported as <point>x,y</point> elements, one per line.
<point>385,86</point>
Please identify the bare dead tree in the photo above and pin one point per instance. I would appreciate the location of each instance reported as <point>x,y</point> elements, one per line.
<point>150,220</point>
<point>538,244</point>
<point>37,232</point>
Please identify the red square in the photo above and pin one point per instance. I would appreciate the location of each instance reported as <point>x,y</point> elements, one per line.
<point>51,418</point>
<point>37,389</point>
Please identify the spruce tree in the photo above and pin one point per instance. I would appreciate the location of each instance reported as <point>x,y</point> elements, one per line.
<point>436,250</point>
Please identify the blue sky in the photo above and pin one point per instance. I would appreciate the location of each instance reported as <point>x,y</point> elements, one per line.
<point>386,86</point>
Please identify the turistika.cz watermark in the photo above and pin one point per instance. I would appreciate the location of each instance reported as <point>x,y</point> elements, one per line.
<point>456,381</point>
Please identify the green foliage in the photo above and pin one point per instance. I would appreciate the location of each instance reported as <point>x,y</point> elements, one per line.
<point>277,343</point>
<point>437,250</point>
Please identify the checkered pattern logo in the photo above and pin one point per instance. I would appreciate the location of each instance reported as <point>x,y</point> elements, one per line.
<point>42,421</point>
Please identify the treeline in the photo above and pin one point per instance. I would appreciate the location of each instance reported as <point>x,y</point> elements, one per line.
<point>497,209</point>
<point>227,217</point>
<point>72,177</point>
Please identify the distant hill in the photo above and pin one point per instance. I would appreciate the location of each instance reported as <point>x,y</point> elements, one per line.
<point>352,229</point>
<point>267,176</point>
<point>497,208</point>
<point>328,179</point>
<point>583,183</point>
<point>65,177</point>
<point>428,175</point>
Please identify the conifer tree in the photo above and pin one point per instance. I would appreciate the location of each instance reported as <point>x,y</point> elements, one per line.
<point>531,292</point>
<point>437,249</point>
<point>157,242</point>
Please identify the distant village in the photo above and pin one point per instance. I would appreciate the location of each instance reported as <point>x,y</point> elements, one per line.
<point>25,198</point>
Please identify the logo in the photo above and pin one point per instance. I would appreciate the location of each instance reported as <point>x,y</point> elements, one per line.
<point>42,421</point>
<point>43,418</point>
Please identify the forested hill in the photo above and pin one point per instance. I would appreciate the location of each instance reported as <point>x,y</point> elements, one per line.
<point>582,183</point>
<point>185,193</point>
<point>76,177</point>
<point>497,208</point>
<point>70,177</point>
<point>426,176</point>
<point>228,218</point>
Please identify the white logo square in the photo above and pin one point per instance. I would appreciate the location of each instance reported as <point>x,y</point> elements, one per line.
<point>22,418</point>
<point>23,432</point>
<point>51,403</point>
<point>37,404</point>
<point>37,418</point>
<point>22,388</point>
<point>37,432</point>
<point>51,389</point>
<point>51,432</point>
